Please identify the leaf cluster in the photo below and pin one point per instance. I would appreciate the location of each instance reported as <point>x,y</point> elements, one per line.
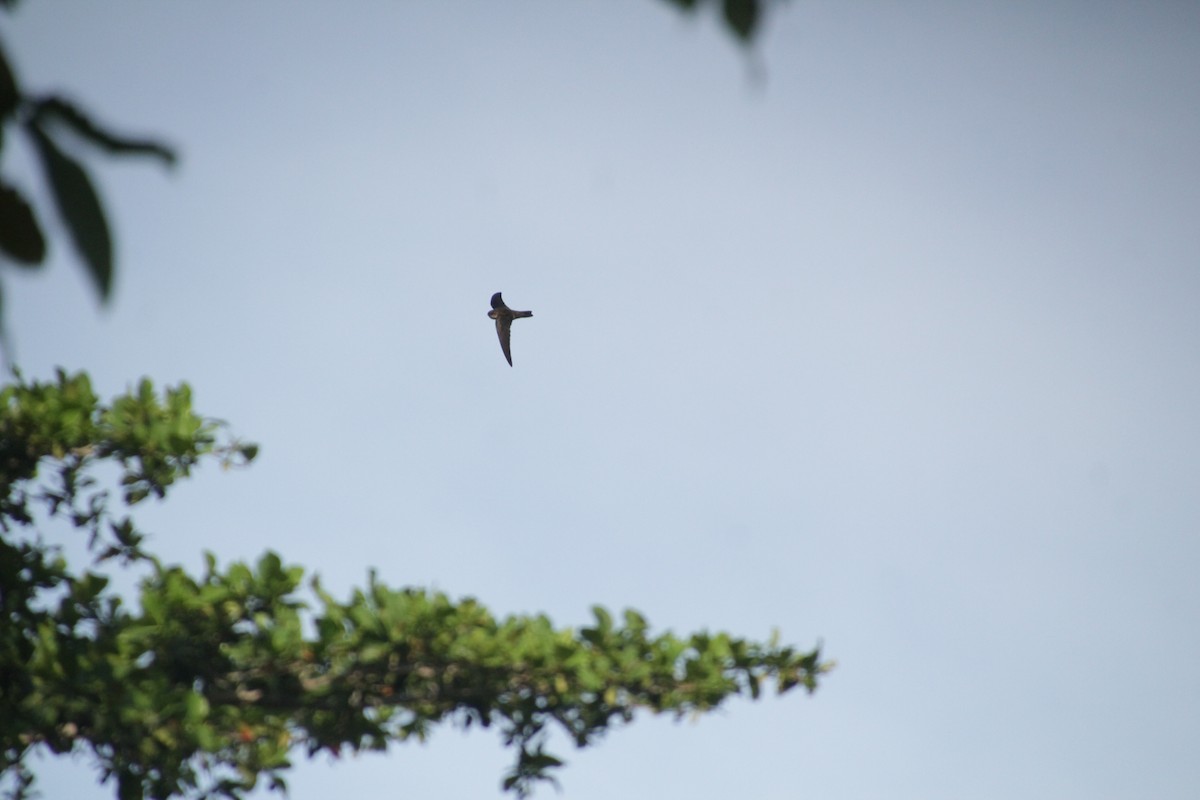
<point>58,430</point>
<point>209,684</point>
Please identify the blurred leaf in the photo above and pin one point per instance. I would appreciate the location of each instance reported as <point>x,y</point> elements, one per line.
<point>603,618</point>
<point>56,108</point>
<point>196,707</point>
<point>20,235</point>
<point>80,208</point>
<point>743,17</point>
<point>9,95</point>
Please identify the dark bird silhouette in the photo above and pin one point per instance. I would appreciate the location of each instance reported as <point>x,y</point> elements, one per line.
<point>504,317</point>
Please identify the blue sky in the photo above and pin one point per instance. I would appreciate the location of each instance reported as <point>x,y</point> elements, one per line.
<point>886,335</point>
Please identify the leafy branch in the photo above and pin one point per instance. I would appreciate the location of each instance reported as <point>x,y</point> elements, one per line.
<point>43,119</point>
<point>211,683</point>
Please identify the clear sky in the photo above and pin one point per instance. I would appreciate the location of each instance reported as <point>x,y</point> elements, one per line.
<point>887,335</point>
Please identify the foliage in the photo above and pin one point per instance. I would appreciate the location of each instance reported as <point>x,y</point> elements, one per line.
<point>44,119</point>
<point>742,17</point>
<point>211,683</point>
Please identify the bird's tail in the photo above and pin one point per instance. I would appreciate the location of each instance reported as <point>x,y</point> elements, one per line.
<point>519,314</point>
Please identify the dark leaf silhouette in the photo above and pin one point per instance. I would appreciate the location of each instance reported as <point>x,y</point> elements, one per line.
<point>55,109</point>
<point>20,235</point>
<point>743,16</point>
<point>80,208</point>
<point>9,95</point>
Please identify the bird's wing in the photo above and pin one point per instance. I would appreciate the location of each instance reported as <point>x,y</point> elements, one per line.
<point>503,330</point>
<point>498,302</point>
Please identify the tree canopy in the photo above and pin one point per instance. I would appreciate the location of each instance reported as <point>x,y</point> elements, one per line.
<point>208,684</point>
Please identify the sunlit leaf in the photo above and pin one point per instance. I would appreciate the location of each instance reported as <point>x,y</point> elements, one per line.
<point>80,208</point>
<point>196,707</point>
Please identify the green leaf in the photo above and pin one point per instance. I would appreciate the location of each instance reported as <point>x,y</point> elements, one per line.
<point>20,235</point>
<point>603,618</point>
<point>56,108</point>
<point>195,707</point>
<point>80,208</point>
<point>88,588</point>
<point>635,621</point>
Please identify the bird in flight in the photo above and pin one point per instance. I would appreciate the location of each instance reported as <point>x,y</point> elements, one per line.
<point>504,317</point>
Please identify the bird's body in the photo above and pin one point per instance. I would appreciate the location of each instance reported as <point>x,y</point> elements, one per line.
<point>504,317</point>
